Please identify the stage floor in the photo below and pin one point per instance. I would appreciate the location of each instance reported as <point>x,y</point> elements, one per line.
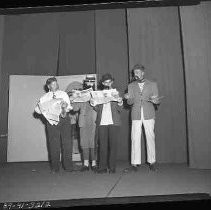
<point>34,182</point>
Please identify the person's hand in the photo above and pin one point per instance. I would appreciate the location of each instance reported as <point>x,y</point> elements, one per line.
<point>71,100</point>
<point>73,94</point>
<point>116,96</point>
<point>119,99</point>
<point>92,102</point>
<point>154,100</point>
<point>126,96</point>
<point>64,104</point>
<point>68,109</point>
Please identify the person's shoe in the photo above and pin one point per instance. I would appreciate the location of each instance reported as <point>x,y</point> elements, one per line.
<point>152,167</point>
<point>130,169</point>
<point>84,168</point>
<point>101,171</point>
<point>112,171</point>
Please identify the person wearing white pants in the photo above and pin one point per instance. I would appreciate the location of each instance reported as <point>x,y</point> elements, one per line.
<point>136,140</point>
<point>143,96</point>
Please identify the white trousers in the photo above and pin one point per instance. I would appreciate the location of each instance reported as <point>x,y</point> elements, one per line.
<point>136,140</point>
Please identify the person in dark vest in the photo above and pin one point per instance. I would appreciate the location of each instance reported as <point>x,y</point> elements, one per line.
<point>108,123</point>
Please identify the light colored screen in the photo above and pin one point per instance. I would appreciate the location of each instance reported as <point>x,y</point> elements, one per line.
<point>26,133</point>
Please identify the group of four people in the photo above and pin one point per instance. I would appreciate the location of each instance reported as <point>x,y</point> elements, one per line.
<point>102,123</point>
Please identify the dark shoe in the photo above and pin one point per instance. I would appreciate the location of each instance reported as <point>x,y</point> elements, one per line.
<point>84,168</point>
<point>112,171</point>
<point>101,171</point>
<point>132,168</point>
<point>152,167</point>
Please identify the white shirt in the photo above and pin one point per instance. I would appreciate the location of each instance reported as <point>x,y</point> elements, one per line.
<point>106,118</point>
<point>57,94</point>
<point>141,86</point>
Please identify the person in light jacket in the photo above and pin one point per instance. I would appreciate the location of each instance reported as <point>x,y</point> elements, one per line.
<point>143,97</point>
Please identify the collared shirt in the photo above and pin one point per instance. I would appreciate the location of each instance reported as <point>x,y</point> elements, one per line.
<point>141,86</point>
<point>59,94</point>
<point>106,118</point>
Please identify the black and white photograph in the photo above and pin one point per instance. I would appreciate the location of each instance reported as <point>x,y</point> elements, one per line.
<point>105,103</point>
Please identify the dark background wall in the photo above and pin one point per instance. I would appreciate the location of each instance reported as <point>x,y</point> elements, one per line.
<point>196,29</point>
<point>77,43</point>
<point>30,46</point>
<point>3,140</point>
<point>154,40</point>
<point>111,56</point>
<point>113,41</point>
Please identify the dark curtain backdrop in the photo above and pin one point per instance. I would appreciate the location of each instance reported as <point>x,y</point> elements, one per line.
<point>100,41</point>
<point>77,43</point>
<point>154,41</point>
<point>3,139</point>
<point>196,30</point>
<point>111,57</point>
<point>1,39</point>
<point>30,46</point>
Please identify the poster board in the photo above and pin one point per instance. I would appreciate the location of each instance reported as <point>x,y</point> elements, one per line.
<point>26,133</point>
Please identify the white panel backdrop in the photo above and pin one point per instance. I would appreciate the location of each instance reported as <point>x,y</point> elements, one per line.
<point>26,134</point>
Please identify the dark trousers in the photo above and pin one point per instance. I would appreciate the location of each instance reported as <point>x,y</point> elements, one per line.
<point>108,139</point>
<point>59,139</point>
<point>88,153</point>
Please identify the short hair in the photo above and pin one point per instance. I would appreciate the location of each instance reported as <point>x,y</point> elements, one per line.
<point>107,76</point>
<point>138,66</point>
<point>50,80</point>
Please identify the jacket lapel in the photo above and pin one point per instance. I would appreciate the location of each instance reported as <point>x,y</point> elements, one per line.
<point>137,88</point>
<point>145,86</point>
